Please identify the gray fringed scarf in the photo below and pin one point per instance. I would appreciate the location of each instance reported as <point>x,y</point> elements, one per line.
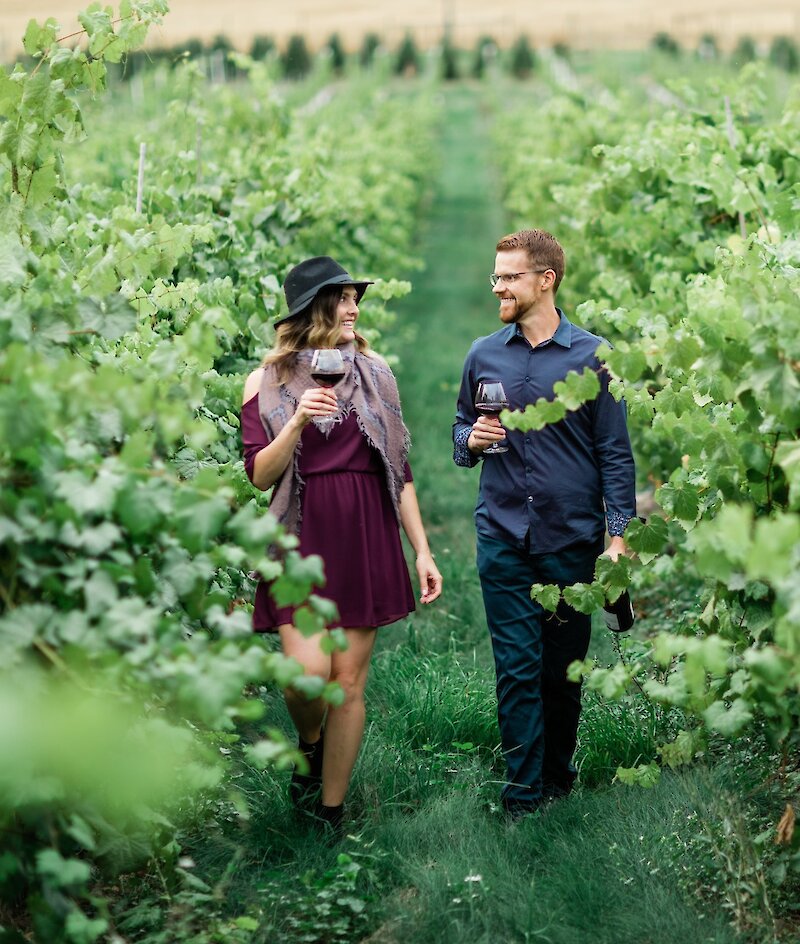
<point>369,389</point>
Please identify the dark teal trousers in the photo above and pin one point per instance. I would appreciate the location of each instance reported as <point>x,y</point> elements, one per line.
<point>537,707</point>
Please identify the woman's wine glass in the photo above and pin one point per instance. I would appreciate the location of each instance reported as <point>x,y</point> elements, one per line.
<point>327,367</point>
<point>490,400</point>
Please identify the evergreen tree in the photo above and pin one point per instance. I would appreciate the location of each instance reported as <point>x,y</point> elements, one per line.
<point>783,54</point>
<point>666,43</point>
<point>262,47</point>
<point>368,49</point>
<point>562,50</point>
<point>449,60</point>
<point>707,47</point>
<point>337,54</point>
<point>745,51</point>
<point>296,59</point>
<point>407,62</point>
<point>485,49</point>
<point>522,58</point>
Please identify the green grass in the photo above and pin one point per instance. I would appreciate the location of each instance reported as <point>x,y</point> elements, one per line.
<point>585,871</point>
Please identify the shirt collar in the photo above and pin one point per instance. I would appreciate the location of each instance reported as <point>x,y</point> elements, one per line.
<point>561,336</point>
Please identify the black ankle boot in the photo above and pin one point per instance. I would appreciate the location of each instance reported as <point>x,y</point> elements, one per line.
<point>314,754</point>
<point>332,820</point>
<point>304,789</point>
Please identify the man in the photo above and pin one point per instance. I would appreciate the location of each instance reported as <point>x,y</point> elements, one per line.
<point>541,512</point>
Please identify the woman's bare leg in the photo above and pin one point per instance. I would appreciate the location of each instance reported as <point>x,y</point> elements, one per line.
<point>344,728</point>
<point>306,715</point>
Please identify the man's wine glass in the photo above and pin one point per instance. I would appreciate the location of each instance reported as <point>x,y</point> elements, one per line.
<point>490,400</point>
<point>327,367</point>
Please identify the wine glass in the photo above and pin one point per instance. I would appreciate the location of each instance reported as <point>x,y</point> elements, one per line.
<point>491,399</point>
<point>327,367</point>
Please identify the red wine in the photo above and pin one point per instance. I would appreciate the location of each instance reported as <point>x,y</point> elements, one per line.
<point>325,379</point>
<point>491,409</point>
<point>619,615</point>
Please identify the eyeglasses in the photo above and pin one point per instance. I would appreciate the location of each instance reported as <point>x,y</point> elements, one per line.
<point>510,277</point>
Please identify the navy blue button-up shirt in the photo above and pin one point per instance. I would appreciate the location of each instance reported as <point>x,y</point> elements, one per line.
<point>555,486</point>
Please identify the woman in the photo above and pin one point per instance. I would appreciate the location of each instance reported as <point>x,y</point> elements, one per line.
<point>337,459</point>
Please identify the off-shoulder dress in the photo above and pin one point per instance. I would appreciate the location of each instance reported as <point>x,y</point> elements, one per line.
<point>347,518</point>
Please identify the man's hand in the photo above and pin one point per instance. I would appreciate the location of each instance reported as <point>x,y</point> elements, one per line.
<point>616,548</point>
<point>485,431</point>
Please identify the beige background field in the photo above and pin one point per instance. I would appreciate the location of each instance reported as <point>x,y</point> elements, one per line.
<point>618,24</point>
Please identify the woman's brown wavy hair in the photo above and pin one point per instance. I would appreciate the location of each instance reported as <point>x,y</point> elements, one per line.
<point>319,328</point>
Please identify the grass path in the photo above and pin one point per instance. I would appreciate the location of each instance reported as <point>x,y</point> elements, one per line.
<point>450,305</point>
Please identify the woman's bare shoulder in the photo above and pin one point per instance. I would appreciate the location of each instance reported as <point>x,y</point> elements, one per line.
<point>252,384</point>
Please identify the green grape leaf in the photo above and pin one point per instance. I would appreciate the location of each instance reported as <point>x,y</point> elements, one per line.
<point>300,574</point>
<point>577,389</point>
<point>38,39</point>
<point>624,361</point>
<point>547,596</point>
<point>584,597</point>
<point>683,749</point>
<point>787,455</point>
<point>680,499</point>
<point>722,546</point>
<point>325,608</point>
<point>308,622</point>
<point>645,775</point>
<point>309,686</point>
<point>333,693</point>
<point>614,576</point>
<point>61,872</point>
<point>111,317</point>
<point>728,721</point>
<point>647,538</point>
<point>535,416</point>
<point>774,549</point>
<point>12,260</point>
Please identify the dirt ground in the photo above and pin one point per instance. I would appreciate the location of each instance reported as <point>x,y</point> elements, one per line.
<point>587,24</point>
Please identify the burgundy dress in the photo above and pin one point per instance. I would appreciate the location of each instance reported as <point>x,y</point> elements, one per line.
<point>347,518</point>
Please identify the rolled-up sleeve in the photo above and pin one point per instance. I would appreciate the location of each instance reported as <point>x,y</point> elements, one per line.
<point>465,417</point>
<point>615,456</point>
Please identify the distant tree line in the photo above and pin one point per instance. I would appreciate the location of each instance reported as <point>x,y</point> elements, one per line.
<point>782,51</point>
<point>295,59</point>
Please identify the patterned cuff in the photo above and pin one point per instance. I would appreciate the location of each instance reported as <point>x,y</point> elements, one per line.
<point>617,522</point>
<point>462,454</point>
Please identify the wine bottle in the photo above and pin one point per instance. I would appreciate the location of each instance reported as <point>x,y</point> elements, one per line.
<point>619,615</point>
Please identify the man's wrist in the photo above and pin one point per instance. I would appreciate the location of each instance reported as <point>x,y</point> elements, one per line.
<point>616,523</point>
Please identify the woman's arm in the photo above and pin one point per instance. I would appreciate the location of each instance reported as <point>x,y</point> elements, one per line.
<point>271,461</point>
<point>430,580</point>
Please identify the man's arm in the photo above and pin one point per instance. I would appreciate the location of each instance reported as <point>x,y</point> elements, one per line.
<point>466,414</point>
<point>617,470</point>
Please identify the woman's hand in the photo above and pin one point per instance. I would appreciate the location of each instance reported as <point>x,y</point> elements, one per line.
<point>273,460</point>
<point>430,580</point>
<point>316,401</point>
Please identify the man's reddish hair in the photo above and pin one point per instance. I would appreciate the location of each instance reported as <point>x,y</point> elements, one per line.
<point>544,250</point>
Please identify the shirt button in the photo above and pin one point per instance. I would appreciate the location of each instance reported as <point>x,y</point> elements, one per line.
<point>527,380</point>
<point>530,497</point>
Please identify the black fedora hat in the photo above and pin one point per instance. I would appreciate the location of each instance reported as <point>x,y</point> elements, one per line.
<point>306,279</point>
